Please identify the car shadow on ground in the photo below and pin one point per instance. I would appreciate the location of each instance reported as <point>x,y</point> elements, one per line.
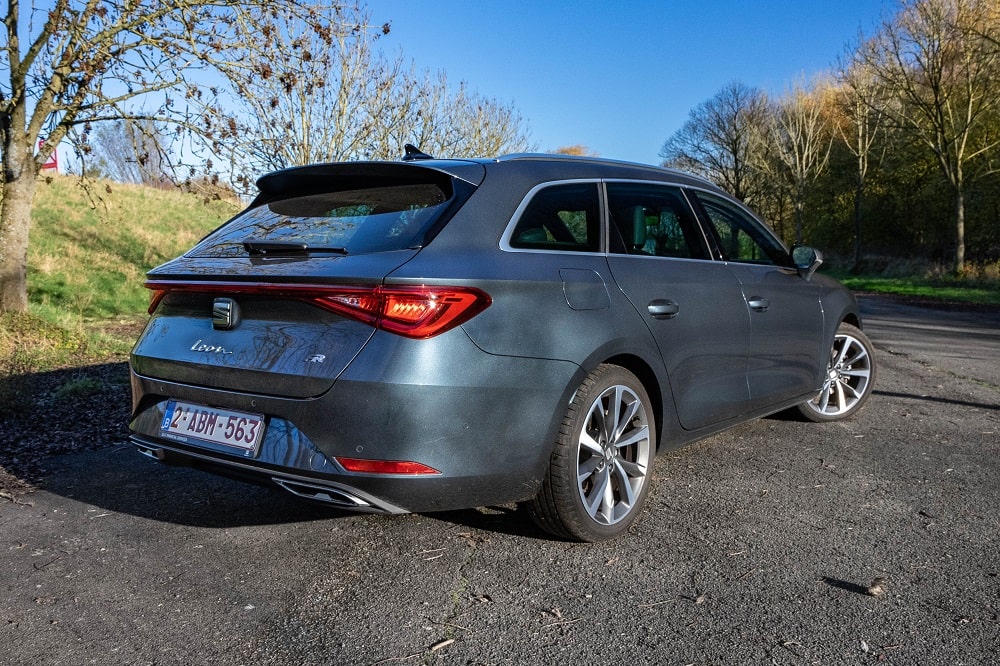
<point>120,480</point>
<point>931,398</point>
<point>506,519</point>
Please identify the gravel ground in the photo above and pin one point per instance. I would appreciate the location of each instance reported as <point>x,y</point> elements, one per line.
<point>64,411</point>
<point>761,545</point>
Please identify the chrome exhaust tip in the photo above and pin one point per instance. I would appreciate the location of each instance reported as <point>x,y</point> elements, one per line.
<point>327,495</point>
<point>153,452</point>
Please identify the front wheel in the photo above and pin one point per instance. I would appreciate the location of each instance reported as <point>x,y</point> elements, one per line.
<point>850,376</point>
<point>599,471</point>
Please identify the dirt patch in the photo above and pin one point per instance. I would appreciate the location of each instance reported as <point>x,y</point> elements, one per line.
<point>63,411</point>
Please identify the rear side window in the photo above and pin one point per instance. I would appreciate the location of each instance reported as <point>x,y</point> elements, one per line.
<point>563,217</point>
<point>382,217</point>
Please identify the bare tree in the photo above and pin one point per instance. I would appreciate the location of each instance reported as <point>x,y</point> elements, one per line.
<point>328,101</point>
<point>798,133</point>
<point>939,59</point>
<point>338,97</point>
<point>457,122</point>
<point>75,63</point>
<point>128,151</point>
<point>862,101</point>
<point>577,149</point>
<point>719,139</point>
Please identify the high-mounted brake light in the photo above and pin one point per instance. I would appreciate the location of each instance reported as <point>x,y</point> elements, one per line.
<point>413,312</point>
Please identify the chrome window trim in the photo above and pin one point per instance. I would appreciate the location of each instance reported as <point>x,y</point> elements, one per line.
<point>686,190</point>
<point>526,200</point>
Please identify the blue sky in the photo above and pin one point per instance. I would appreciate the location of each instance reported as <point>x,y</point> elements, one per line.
<point>621,77</point>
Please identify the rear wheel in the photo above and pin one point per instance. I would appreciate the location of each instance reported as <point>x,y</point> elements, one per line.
<point>599,472</point>
<point>850,376</point>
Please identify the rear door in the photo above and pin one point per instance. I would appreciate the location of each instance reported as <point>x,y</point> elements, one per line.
<point>692,305</point>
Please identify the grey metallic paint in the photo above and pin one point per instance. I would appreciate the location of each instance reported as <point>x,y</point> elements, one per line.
<point>482,403</point>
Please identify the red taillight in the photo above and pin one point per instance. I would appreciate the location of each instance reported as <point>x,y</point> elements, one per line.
<point>364,466</point>
<point>413,312</point>
<point>155,299</point>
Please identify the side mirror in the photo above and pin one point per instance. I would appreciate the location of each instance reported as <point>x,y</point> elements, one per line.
<point>806,260</point>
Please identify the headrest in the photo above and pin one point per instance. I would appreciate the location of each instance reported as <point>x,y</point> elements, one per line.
<point>636,235</point>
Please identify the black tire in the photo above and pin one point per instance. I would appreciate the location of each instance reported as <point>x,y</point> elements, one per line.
<point>600,469</point>
<point>850,376</point>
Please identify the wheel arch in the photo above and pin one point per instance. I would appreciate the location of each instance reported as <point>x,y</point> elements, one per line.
<point>645,374</point>
<point>851,318</point>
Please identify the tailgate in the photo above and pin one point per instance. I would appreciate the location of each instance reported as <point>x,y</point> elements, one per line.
<point>253,326</point>
<point>276,347</point>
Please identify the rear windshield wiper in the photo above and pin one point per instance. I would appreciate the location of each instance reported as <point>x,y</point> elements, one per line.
<point>287,248</point>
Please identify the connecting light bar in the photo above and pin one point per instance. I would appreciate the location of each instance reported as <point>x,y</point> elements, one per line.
<point>413,312</point>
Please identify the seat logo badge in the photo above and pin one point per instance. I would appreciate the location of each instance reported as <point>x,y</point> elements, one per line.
<point>316,358</point>
<point>225,314</point>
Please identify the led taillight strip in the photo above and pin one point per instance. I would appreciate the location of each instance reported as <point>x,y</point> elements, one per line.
<point>415,312</point>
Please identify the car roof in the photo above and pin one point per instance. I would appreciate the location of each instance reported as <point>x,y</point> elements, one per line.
<point>545,166</point>
<point>610,168</point>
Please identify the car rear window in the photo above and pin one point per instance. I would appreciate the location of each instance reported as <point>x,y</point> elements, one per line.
<point>381,217</point>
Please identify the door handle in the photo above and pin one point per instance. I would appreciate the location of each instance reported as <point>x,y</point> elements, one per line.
<point>758,304</point>
<point>662,308</point>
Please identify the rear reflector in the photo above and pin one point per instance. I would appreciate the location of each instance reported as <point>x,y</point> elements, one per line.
<point>364,466</point>
<point>413,312</point>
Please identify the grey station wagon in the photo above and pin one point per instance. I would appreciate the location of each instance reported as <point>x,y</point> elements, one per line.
<point>436,334</point>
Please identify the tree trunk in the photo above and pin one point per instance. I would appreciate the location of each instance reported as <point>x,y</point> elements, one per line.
<point>799,221</point>
<point>15,222</point>
<point>959,231</point>
<point>859,190</point>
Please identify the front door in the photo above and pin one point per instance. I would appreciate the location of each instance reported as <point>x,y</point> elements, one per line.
<point>786,318</point>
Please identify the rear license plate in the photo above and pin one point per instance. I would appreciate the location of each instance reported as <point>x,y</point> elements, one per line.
<point>197,424</point>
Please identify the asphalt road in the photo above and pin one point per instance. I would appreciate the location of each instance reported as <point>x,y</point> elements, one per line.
<point>758,547</point>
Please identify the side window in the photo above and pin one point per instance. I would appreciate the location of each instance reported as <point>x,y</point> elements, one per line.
<point>655,220</point>
<point>561,217</point>
<point>741,238</point>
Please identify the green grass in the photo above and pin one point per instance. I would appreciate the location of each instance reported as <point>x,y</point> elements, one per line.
<point>81,387</point>
<point>88,255</point>
<point>979,292</point>
<point>927,289</point>
<point>89,252</point>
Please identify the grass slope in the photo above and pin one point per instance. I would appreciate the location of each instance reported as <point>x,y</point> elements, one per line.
<point>89,252</point>
<point>90,248</point>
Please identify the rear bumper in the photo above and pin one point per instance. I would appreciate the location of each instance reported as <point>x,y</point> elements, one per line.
<point>485,422</point>
<point>328,492</point>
